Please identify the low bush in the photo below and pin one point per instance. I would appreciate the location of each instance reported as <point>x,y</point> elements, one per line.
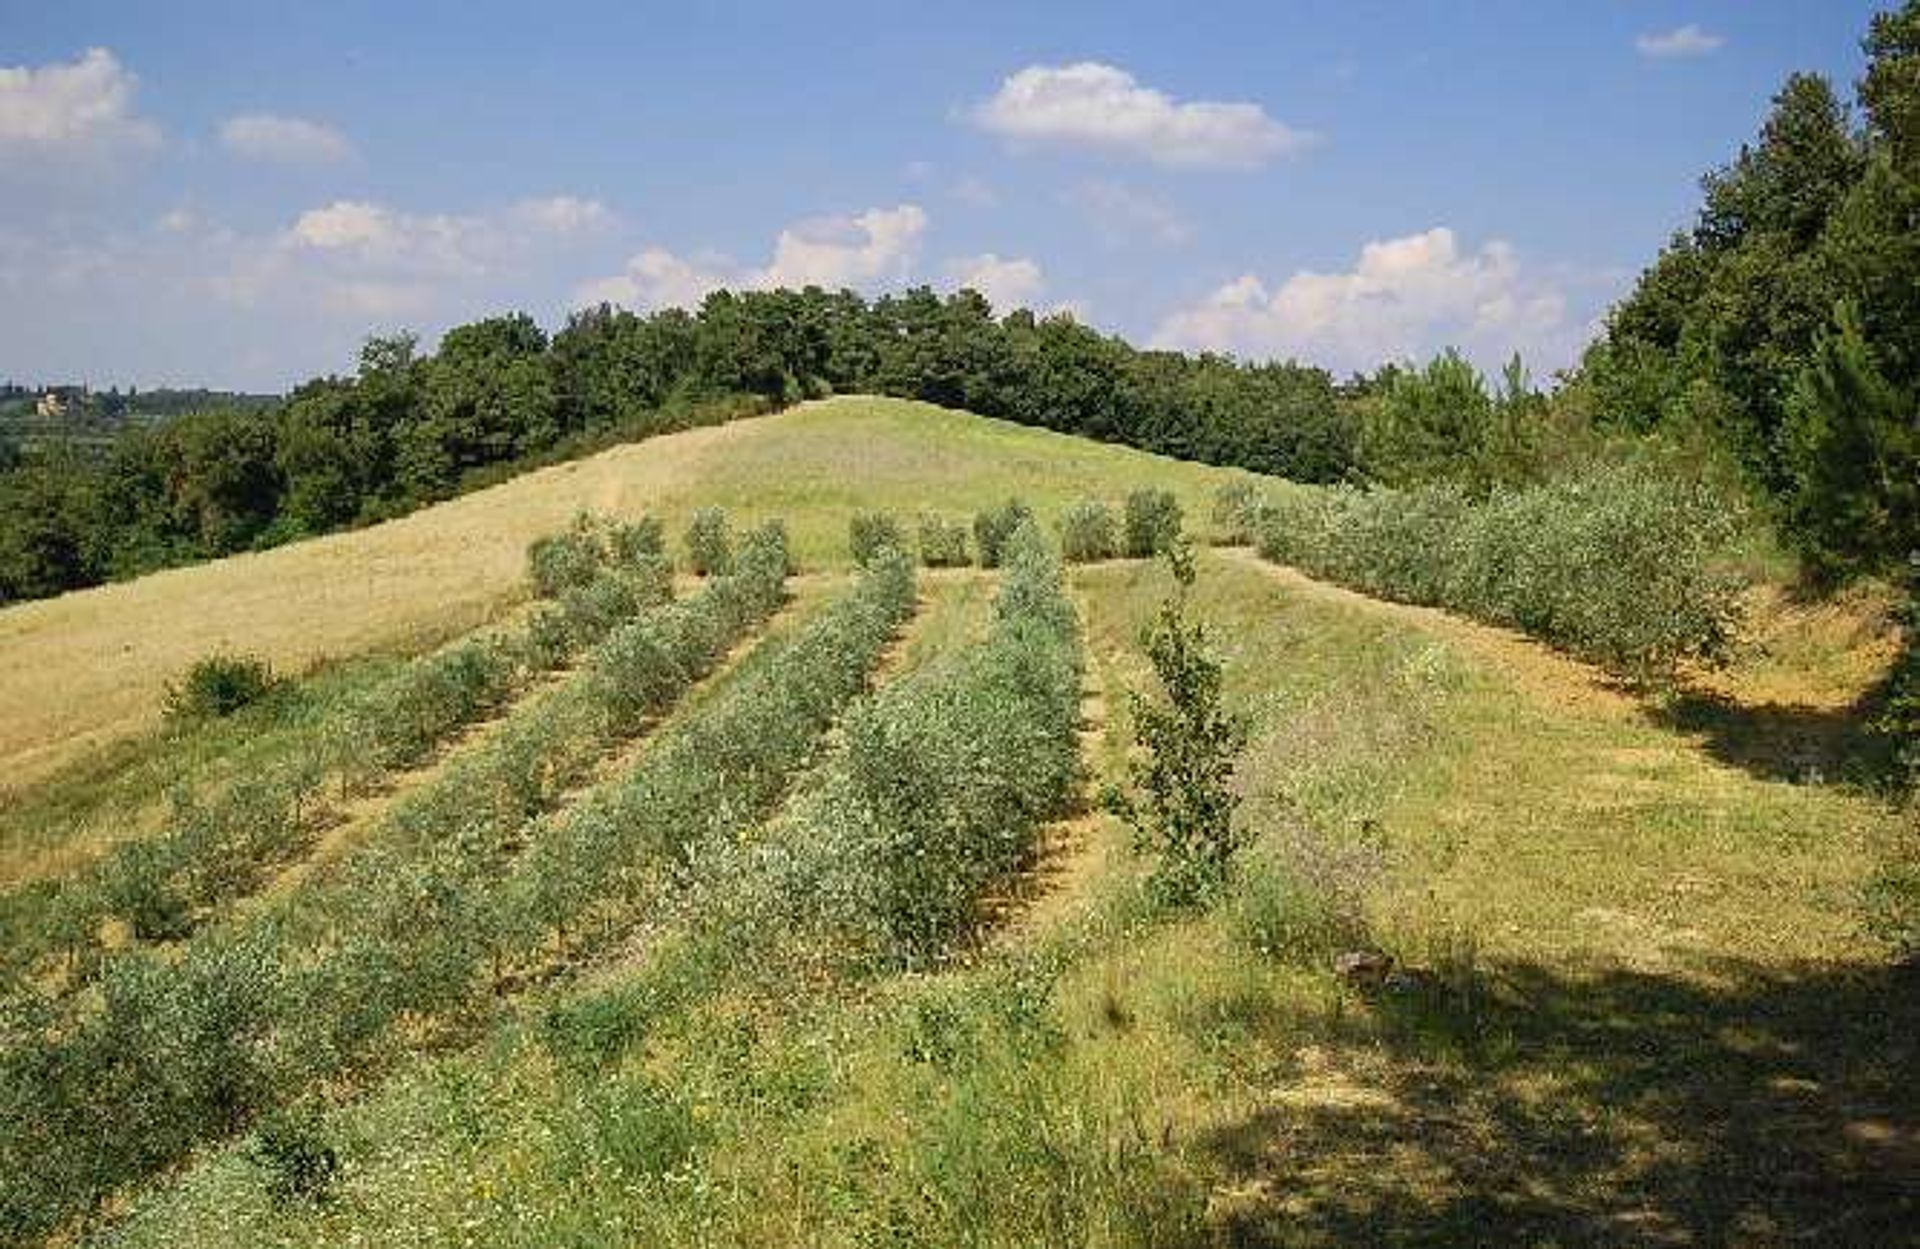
<point>1620,564</point>
<point>139,885</point>
<point>1238,510</point>
<point>1898,723</point>
<point>1152,522</point>
<point>296,1162</point>
<point>573,558</point>
<point>562,561</point>
<point>218,685</point>
<point>869,532</point>
<point>943,543</point>
<point>1890,903</point>
<point>993,528</point>
<point>1087,532</point>
<point>402,720</point>
<point>709,542</point>
<point>635,541</point>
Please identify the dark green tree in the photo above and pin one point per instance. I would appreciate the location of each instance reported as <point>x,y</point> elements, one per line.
<point>1854,447</point>
<point>1180,799</point>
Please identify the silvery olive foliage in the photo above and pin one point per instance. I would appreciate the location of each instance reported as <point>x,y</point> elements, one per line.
<point>1621,564</point>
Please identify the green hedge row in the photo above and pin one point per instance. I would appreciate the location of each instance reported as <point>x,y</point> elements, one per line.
<point>1620,564</point>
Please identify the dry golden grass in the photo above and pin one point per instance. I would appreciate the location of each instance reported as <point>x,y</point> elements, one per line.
<point>90,666</point>
<point>87,668</point>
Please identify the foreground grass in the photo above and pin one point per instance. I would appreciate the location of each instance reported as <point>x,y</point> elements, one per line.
<point>1639,1008</point>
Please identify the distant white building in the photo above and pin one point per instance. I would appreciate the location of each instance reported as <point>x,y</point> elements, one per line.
<point>58,401</point>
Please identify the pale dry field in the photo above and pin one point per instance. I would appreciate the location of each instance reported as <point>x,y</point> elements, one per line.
<point>90,666</point>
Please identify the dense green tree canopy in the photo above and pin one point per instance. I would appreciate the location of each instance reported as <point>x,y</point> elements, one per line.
<point>1786,323</point>
<point>409,428</point>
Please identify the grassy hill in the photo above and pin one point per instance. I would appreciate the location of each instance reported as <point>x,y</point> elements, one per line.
<point>91,666</point>
<point>701,1005</point>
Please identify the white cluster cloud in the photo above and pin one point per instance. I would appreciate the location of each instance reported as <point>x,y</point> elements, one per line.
<point>869,250</point>
<point>657,278</point>
<point>1008,283</point>
<point>877,246</point>
<point>367,258</point>
<point>1404,297</point>
<point>80,110</point>
<point>285,140</point>
<point>1682,41</point>
<point>346,224</point>
<point>358,257</point>
<point>1104,108</point>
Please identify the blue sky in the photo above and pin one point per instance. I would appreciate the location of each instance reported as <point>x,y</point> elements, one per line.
<point>236,194</point>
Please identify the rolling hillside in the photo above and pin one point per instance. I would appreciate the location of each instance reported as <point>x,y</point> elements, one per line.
<point>91,666</point>
<point>784,912</point>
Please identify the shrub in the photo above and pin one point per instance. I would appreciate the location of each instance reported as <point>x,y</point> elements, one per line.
<point>1890,901</point>
<point>1087,532</point>
<point>138,885</point>
<point>637,541</point>
<point>709,542</point>
<point>993,528</point>
<point>1152,522</point>
<point>572,559</point>
<point>1189,745</point>
<point>585,614</point>
<point>1898,724</point>
<point>1237,512</point>
<point>217,686</point>
<point>943,543</point>
<point>292,1153</point>
<point>868,532</point>
<point>563,561</point>
<point>400,722</point>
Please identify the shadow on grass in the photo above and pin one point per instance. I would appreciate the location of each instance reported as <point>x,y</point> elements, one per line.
<point>1782,741</point>
<point>1619,1107</point>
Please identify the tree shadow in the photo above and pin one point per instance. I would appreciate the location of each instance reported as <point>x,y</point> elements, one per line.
<point>1741,1106</point>
<point>1784,741</point>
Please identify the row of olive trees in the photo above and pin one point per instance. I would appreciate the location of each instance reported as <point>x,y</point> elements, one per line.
<point>1621,564</point>
<point>946,778</point>
<point>256,1010</point>
<point>1149,521</point>
<point>220,846</point>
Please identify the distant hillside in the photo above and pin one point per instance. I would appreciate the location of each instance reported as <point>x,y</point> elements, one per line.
<point>35,419</point>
